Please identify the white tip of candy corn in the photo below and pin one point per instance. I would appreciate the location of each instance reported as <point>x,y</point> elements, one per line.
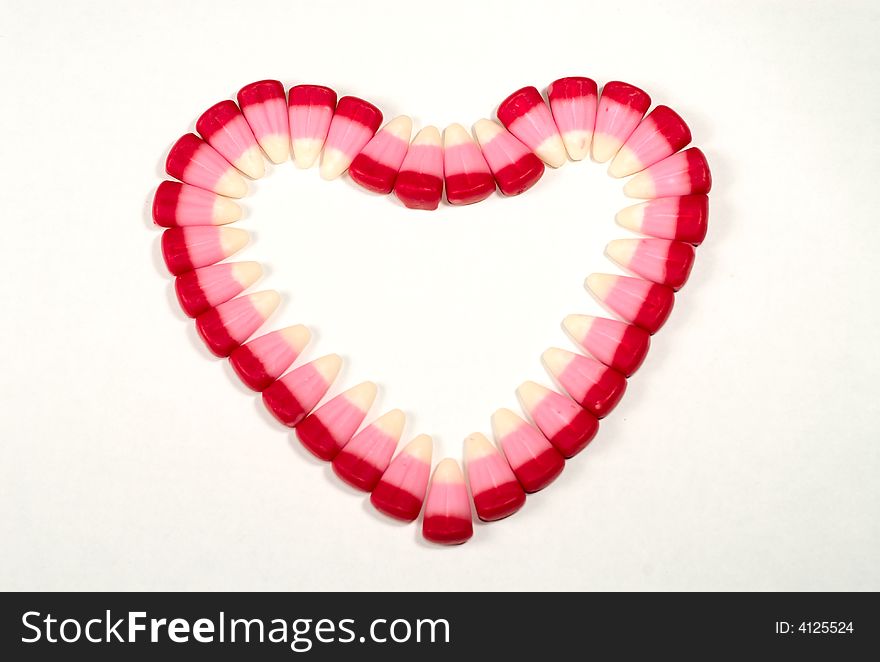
<point>328,366</point>
<point>391,423</point>
<point>578,326</point>
<point>624,164</point>
<point>333,163</point>
<point>251,163</point>
<point>246,273</point>
<point>277,147</point>
<point>399,127</point>
<point>233,240</point>
<point>296,337</point>
<point>504,422</point>
<point>604,147</point>
<point>640,186</point>
<point>362,395</point>
<point>556,360</point>
<point>631,217</point>
<point>232,185</point>
<point>430,135</point>
<point>421,448</point>
<point>485,130</point>
<point>476,446</point>
<point>455,134</point>
<point>225,211</point>
<point>306,151</point>
<point>622,250</point>
<point>552,151</point>
<point>265,302</point>
<point>600,284</point>
<point>448,471</point>
<point>530,394</point>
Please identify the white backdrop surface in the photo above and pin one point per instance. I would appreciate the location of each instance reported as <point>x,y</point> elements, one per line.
<point>745,454</point>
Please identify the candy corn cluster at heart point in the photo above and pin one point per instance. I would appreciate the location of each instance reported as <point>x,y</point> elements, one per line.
<point>423,168</point>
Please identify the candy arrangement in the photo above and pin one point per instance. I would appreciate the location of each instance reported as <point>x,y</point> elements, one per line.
<point>308,123</point>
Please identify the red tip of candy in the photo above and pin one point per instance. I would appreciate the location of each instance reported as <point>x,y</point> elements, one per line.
<point>447,530</point>
<point>518,104</point>
<point>317,438</point>
<point>468,188</point>
<point>396,502</point>
<point>539,472</point>
<point>499,502</point>
<point>627,95</point>
<point>520,176</point>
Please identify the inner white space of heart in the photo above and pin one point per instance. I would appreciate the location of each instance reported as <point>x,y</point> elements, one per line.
<point>447,311</point>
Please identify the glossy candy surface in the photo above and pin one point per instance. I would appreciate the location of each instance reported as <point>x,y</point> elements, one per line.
<point>419,183</point>
<point>401,490</point>
<point>527,117</point>
<point>330,427</point>
<point>294,396</point>
<point>593,385</point>
<point>189,248</point>
<point>466,174</point>
<point>515,168</point>
<point>496,491</point>
<point>661,134</point>
<point>565,424</point>
<point>618,345</point>
<point>533,459</point>
<point>310,110</point>
<point>684,173</point>
<point>179,205</point>
<point>204,288</point>
<point>573,102</point>
<point>226,130</point>
<point>447,507</point>
<point>264,105</point>
<point>684,218</point>
<point>195,162</point>
<point>658,260</point>
<point>621,108</point>
<point>262,360</point>
<point>376,167</point>
<point>353,124</point>
<point>228,325</point>
<point>636,301</point>
<point>364,459</point>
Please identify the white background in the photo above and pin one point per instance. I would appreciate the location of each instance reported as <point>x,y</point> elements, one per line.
<point>745,455</point>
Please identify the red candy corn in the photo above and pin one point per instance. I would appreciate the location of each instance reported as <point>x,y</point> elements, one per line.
<point>514,167</point>
<point>364,459</point>
<point>310,109</point>
<point>195,162</point>
<point>496,492</point>
<point>527,117</point>
<point>565,424</point>
<point>466,174</point>
<point>447,507</point>
<point>293,396</point>
<point>661,134</point>
<point>684,218</point>
<point>264,105</point>
<point>419,183</point>
<point>352,126</point>
<point>204,288</point>
<point>534,461</point>
<point>680,174</point>
<point>376,167</point>
<point>178,205</point>
<point>226,130</point>
<point>325,431</point>
<point>618,345</point>
<point>594,386</point>
<point>573,104</point>
<point>658,260</point>
<point>192,247</point>
<point>261,361</point>
<point>621,108</point>
<point>228,325</point>
<point>647,305</point>
<point>401,490</point>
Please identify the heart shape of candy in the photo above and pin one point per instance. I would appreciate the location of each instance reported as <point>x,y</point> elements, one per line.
<point>308,123</point>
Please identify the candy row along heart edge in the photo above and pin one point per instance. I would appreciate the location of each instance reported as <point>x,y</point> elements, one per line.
<point>308,123</point>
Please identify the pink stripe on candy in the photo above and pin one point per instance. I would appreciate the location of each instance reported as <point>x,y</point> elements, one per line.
<point>621,108</point>
<point>226,130</point>
<point>261,361</point>
<point>264,104</point>
<point>176,205</point>
<point>293,396</point>
<point>310,111</point>
<point>527,117</point>
<point>228,325</point>
<point>195,162</point>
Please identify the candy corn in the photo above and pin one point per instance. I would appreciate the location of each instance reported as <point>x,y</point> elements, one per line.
<point>192,247</point>
<point>573,104</point>
<point>496,492</point>
<point>178,205</point>
<point>647,305</point>
<point>565,424</point>
<point>364,459</point>
<point>514,167</point>
<point>310,109</point>
<point>419,183</point>
<point>680,174</point>
<point>534,461</point>
<point>228,325</point>
<point>682,218</point>
<point>376,167</point>
<point>352,126</point>
<point>527,117</point>
<point>325,431</point>
<point>204,288</point>
<point>401,490</point>
<point>658,260</point>
<point>264,105</point>
<point>262,360</point>
<point>594,386</point>
<point>618,345</point>
<point>661,134</point>
<point>293,396</point>
<point>621,108</point>
<point>226,130</point>
<point>466,174</point>
<point>195,162</point>
<point>447,508</point>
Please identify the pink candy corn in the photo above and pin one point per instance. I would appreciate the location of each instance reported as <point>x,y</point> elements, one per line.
<point>565,424</point>
<point>228,325</point>
<point>658,260</point>
<point>226,130</point>
<point>621,108</point>
<point>496,492</point>
<point>352,126</point>
<point>514,167</point>
<point>293,396</point>
<point>466,174</point>
<point>401,490</point>
<point>264,105</point>
<point>595,387</point>
<point>204,288</point>
<point>661,134</point>
<point>618,345</point>
<point>364,459</point>
<point>189,248</point>
<point>534,461</point>
<point>527,117</point>
<point>261,361</point>
<point>195,162</point>
<point>682,218</point>
<point>573,104</point>
<point>447,507</point>
<point>325,431</point>
<point>636,301</point>
<point>177,205</point>
<point>376,167</point>
<point>419,183</point>
<point>680,174</point>
<point>310,109</point>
